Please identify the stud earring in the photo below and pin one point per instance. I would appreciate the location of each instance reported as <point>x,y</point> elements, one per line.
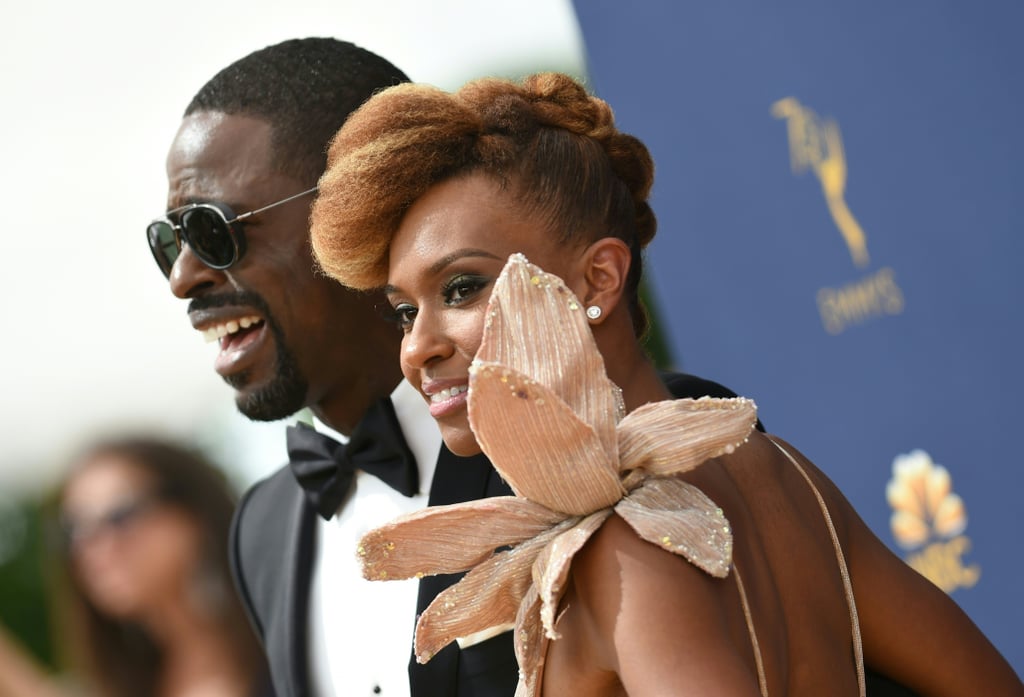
<point>594,312</point>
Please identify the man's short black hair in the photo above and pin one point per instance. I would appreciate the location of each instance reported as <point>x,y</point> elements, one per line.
<point>305,89</point>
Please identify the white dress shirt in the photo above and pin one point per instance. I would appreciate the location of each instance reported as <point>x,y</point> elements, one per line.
<point>360,632</point>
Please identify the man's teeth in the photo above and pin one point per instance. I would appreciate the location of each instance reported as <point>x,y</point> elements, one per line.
<point>230,327</point>
<point>448,393</point>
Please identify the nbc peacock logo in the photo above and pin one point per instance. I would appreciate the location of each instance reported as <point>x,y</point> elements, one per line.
<point>929,520</point>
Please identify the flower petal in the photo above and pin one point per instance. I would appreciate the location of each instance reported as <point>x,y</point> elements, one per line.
<point>677,435</point>
<point>570,365</point>
<point>488,596</point>
<point>551,569</point>
<point>680,518</point>
<point>531,644</point>
<point>538,444</point>
<point>449,539</point>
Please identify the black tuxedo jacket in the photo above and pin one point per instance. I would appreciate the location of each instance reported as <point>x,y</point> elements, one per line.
<point>272,553</point>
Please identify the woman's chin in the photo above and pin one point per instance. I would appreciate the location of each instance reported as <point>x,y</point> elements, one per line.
<point>461,442</point>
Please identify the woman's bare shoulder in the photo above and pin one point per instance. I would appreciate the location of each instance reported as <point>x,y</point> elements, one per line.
<point>658,620</point>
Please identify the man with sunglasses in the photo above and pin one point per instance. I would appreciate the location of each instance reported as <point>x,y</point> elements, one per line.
<point>242,173</point>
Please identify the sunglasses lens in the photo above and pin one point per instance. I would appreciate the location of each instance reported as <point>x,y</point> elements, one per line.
<point>123,516</point>
<point>164,245</point>
<point>117,520</point>
<point>207,233</point>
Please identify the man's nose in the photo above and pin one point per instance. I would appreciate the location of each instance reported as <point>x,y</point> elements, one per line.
<point>190,276</point>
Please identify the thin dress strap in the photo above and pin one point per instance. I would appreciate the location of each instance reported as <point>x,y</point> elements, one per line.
<point>761,680</point>
<point>858,648</point>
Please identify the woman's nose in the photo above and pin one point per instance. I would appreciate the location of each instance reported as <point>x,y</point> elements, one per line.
<point>425,343</point>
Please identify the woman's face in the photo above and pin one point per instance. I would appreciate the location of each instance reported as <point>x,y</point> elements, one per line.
<point>130,550</point>
<point>444,259</point>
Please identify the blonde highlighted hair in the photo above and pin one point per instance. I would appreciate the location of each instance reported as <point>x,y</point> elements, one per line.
<point>553,147</point>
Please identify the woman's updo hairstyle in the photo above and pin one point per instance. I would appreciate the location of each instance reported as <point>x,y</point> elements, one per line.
<point>549,144</point>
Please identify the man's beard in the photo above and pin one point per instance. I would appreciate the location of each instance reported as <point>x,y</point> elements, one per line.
<point>286,392</point>
<point>284,395</point>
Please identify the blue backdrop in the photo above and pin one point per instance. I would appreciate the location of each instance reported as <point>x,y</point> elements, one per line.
<point>839,194</point>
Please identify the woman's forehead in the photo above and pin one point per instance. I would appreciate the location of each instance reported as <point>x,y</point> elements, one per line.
<point>103,480</point>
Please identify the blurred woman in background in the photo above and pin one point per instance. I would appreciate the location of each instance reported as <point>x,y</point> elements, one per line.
<point>149,608</point>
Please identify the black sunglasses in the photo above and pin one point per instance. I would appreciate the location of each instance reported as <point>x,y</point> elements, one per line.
<point>212,230</point>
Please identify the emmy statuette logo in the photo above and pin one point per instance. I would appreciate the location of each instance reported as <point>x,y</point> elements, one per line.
<point>816,144</point>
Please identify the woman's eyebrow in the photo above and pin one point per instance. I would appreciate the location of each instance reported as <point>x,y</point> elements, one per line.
<point>447,260</point>
<point>450,259</point>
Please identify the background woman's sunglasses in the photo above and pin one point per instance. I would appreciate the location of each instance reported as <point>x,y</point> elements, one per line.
<point>118,519</point>
<point>212,230</point>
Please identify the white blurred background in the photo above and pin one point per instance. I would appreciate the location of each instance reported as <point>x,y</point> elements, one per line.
<point>94,343</point>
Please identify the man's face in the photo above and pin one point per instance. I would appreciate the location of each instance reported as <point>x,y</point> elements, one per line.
<point>287,337</point>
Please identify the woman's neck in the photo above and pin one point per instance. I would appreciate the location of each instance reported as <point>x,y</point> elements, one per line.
<point>198,658</point>
<point>629,367</point>
<point>204,665</point>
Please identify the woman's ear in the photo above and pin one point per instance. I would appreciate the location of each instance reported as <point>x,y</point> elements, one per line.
<point>605,267</point>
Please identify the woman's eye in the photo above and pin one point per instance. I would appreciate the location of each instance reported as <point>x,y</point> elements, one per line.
<point>462,288</point>
<point>402,315</point>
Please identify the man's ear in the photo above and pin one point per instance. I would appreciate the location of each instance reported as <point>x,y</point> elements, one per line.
<point>605,267</point>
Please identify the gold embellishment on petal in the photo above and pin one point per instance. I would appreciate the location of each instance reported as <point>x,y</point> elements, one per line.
<point>678,517</point>
<point>678,435</point>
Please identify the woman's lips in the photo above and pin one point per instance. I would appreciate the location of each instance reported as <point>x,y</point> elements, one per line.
<point>448,400</point>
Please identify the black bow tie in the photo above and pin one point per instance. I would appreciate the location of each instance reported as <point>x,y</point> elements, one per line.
<point>325,467</point>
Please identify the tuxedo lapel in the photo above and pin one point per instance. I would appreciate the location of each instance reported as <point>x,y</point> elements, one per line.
<point>275,537</point>
<point>297,592</point>
<point>456,479</point>
<point>496,486</point>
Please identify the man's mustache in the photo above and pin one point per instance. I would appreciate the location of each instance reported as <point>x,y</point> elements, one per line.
<point>247,298</point>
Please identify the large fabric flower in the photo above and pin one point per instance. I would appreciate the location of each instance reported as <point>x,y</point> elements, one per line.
<point>544,411</point>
